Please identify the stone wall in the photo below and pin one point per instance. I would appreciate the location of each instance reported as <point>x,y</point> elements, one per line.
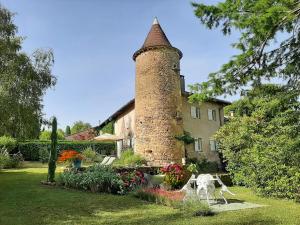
<point>158,106</point>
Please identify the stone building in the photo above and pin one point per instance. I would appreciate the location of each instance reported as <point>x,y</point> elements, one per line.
<point>160,113</point>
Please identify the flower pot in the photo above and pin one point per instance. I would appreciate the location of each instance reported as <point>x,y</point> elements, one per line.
<point>77,163</point>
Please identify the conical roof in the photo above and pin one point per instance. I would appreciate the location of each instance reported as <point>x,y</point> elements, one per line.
<point>156,36</point>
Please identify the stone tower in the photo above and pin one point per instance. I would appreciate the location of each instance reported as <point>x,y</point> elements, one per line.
<point>158,102</point>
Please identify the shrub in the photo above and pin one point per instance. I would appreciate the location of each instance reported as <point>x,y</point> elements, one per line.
<point>175,175</point>
<point>43,154</point>
<point>8,143</point>
<point>132,180</point>
<point>30,149</point>
<point>89,154</point>
<point>128,158</point>
<point>261,145</point>
<point>15,161</point>
<point>204,166</point>
<point>96,178</point>
<point>4,158</point>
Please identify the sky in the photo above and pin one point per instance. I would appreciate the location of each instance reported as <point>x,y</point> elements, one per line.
<point>93,42</point>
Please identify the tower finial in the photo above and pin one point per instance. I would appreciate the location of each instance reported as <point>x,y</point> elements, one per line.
<point>155,21</point>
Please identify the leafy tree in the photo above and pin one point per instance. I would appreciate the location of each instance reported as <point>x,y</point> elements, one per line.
<point>53,152</point>
<point>79,126</point>
<point>260,23</point>
<point>23,82</point>
<point>261,142</point>
<point>46,135</point>
<point>68,131</point>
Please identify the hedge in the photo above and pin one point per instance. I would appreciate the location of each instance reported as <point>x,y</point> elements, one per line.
<point>30,149</point>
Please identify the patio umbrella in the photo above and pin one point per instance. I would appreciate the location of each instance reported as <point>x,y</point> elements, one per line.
<point>107,137</point>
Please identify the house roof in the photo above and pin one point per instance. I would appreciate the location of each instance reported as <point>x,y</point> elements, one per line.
<point>131,103</point>
<point>156,38</point>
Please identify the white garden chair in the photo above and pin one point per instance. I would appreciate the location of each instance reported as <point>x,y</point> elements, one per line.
<point>105,160</point>
<point>224,188</point>
<point>110,161</point>
<point>205,187</point>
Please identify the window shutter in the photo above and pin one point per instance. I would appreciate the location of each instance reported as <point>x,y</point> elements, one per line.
<point>210,116</point>
<point>214,115</point>
<point>200,144</point>
<point>193,111</point>
<point>212,144</point>
<point>196,145</point>
<point>198,112</point>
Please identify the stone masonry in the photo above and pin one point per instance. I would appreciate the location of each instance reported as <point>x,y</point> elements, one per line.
<point>158,104</point>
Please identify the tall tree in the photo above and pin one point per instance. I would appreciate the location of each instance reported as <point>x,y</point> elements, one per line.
<point>68,131</point>
<point>23,82</point>
<point>259,23</point>
<point>79,126</point>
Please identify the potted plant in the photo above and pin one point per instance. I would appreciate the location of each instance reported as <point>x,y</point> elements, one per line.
<point>75,158</point>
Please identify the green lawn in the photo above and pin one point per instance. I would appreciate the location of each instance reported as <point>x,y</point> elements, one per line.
<point>24,201</point>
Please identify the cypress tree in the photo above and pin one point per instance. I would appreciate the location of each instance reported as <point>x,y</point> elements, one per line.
<point>68,131</point>
<point>53,152</point>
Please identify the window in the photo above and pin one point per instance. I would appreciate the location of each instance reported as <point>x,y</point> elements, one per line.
<point>198,144</point>
<point>212,114</point>
<point>195,112</point>
<point>213,145</point>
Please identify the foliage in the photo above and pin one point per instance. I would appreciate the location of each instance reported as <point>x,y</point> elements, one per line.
<point>91,155</point>
<point>79,126</point>
<point>175,175</point>
<point>53,152</point>
<point>43,154</point>
<point>260,24</point>
<point>68,131</point>
<point>30,149</point>
<point>108,128</point>
<point>193,168</point>
<point>132,180</point>
<point>10,161</point>
<point>46,135</point>
<point>4,158</point>
<point>15,161</point>
<point>23,82</point>
<point>204,166</point>
<point>97,178</point>
<point>186,138</point>
<point>175,200</point>
<point>70,156</point>
<point>8,143</point>
<point>128,158</point>
<point>261,146</point>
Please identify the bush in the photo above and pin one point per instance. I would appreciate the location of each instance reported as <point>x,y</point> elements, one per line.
<point>261,145</point>
<point>4,158</point>
<point>205,166</point>
<point>30,149</point>
<point>8,143</point>
<point>128,158</point>
<point>10,161</point>
<point>44,154</point>
<point>15,161</point>
<point>89,154</point>
<point>96,178</point>
<point>175,175</point>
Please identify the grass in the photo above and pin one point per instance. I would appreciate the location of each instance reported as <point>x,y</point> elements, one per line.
<point>23,200</point>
